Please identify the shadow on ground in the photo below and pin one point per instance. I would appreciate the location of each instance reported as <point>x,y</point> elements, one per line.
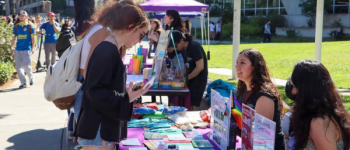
<point>40,139</point>
<point>9,90</point>
<point>3,115</point>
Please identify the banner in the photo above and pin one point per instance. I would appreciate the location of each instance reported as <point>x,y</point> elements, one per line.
<point>248,117</point>
<point>220,120</point>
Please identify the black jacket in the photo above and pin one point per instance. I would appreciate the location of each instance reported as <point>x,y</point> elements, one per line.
<point>105,101</point>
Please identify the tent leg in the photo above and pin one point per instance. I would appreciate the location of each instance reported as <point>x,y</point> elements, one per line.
<point>319,28</point>
<point>202,29</point>
<point>236,35</point>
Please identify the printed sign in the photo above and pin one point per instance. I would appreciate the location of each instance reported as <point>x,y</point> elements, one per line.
<point>264,133</point>
<point>248,117</point>
<point>220,121</point>
<point>162,43</point>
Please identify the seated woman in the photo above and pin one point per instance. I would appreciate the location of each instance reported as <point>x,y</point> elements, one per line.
<point>256,90</point>
<point>319,119</point>
<point>196,64</point>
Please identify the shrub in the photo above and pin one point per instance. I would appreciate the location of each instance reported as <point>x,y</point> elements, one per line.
<point>250,30</point>
<point>227,30</point>
<point>276,21</point>
<point>291,33</point>
<point>6,59</point>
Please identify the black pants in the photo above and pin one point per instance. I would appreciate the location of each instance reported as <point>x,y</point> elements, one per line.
<point>196,88</point>
<point>268,36</point>
<point>218,36</point>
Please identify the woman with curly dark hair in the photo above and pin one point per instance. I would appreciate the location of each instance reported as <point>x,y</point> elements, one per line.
<point>256,90</point>
<point>319,119</point>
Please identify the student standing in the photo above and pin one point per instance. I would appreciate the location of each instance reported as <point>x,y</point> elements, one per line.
<point>24,33</point>
<point>218,31</point>
<point>107,102</point>
<point>267,31</point>
<point>51,29</point>
<point>212,30</point>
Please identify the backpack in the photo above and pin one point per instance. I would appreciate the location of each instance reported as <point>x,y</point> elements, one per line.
<point>61,83</point>
<point>63,42</point>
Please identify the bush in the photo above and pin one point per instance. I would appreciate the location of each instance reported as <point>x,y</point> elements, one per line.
<point>6,71</point>
<point>227,30</point>
<point>291,33</point>
<point>6,59</point>
<point>250,30</point>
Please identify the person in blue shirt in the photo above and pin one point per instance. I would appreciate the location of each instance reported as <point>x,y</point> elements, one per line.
<point>24,34</point>
<point>51,29</point>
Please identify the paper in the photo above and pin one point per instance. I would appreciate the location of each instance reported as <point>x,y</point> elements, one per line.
<point>186,148</point>
<point>133,78</point>
<point>176,137</point>
<point>131,142</point>
<point>150,82</point>
<point>138,148</point>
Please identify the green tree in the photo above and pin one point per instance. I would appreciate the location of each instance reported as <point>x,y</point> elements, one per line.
<point>308,9</point>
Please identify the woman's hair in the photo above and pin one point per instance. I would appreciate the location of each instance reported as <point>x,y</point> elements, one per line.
<point>84,10</point>
<point>119,15</point>
<point>317,97</point>
<point>261,77</point>
<point>187,24</point>
<point>158,27</point>
<point>178,36</point>
<point>177,22</point>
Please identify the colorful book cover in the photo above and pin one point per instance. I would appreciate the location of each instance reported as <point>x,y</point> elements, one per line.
<point>150,145</point>
<point>152,136</point>
<point>141,60</point>
<point>136,66</point>
<point>131,66</point>
<point>201,144</point>
<point>193,134</point>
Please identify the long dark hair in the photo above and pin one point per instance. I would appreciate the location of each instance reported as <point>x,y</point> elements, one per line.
<point>261,77</point>
<point>177,22</point>
<point>316,97</point>
<point>84,10</point>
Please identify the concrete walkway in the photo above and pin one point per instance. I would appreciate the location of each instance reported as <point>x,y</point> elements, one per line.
<point>280,82</point>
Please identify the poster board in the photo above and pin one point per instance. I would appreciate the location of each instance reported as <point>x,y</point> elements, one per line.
<point>264,133</point>
<point>247,134</point>
<point>160,52</point>
<point>220,120</point>
<point>258,132</point>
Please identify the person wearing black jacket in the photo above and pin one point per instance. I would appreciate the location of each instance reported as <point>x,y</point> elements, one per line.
<point>107,102</point>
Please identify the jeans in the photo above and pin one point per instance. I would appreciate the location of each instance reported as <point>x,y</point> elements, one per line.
<point>70,121</point>
<point>77,104</point>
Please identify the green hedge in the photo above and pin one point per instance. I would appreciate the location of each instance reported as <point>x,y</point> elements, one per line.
<point>6,59</point>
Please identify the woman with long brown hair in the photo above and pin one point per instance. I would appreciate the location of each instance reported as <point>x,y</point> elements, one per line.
<point>156,29</point>
<point>256,90</point>
<point>319,119</point>
<point>107,103</point>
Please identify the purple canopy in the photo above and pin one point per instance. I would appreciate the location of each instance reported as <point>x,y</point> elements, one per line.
<point>179,5</point>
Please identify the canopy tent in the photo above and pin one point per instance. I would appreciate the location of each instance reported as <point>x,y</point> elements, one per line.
<point>182,14</point>
<point>181,6</point>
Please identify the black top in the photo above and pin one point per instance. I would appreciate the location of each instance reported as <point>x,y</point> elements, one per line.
<point>155,44</point>
<point>195,52</point>
<point>279,136</point>
<point>105,101</point>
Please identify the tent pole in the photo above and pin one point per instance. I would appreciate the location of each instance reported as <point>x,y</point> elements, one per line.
<point>208,32</point>
<point>319,28</point>
<point>236,35</point>
<point>195,31</point>
<point>202,28</point>
<point>205,32</point>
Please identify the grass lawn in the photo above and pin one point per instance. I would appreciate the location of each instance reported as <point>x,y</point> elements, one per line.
<point>281,58</point>
<point>212,76</point>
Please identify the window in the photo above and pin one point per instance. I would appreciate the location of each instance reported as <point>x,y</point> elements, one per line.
<point>261,3</point>
<point>272,12</point>
<point>341,9</point>
<point>261,12</point>
<point>249,3</point>
<point>250,12</point>
<point>273,3</point>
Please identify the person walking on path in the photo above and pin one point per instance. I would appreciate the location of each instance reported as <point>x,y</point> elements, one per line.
<point>218,31</point>
<point>51,29</point>
<point>267,31</point>
<point>24,34</point>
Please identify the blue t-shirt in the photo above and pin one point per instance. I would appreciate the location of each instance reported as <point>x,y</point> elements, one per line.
<point>24,41</point>
<point>51,35</point>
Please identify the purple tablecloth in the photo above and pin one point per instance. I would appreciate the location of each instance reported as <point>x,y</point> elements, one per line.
<point>138,133</point>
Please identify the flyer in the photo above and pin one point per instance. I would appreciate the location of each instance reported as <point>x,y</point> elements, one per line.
<point>220,120</point>
<point>247,134</point>
<point>264,133</point>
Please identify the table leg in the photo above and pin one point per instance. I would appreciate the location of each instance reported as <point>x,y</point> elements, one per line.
<point>154,99</point>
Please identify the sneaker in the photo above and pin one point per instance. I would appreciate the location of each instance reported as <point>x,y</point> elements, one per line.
<point>22,86</point>
<point>31,82</point>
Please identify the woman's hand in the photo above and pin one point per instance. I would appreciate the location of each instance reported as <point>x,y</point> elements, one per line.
<point>133,95</point>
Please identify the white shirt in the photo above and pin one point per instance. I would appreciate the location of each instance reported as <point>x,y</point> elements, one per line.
<point>86,46</point>
<point>212,27</point>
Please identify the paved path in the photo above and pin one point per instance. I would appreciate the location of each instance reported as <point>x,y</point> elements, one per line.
<point>281,82</point>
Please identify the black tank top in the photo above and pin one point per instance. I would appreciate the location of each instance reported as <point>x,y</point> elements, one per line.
<point>279,136</point>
